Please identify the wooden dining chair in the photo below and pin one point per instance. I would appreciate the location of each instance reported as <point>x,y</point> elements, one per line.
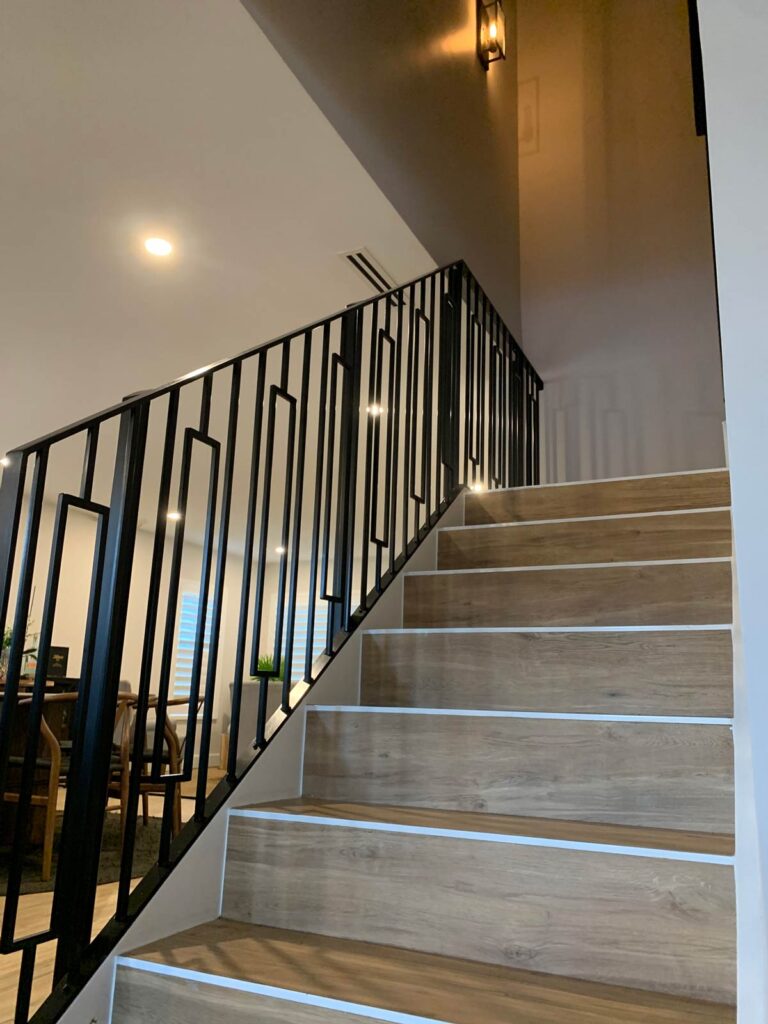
<point>48,768</point>
<point>171,760</point>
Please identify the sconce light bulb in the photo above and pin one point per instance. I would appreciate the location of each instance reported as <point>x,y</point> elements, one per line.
<point>493,31</point>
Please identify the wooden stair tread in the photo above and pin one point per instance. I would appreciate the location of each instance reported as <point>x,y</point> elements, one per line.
<point>617,594</point>
<point>423,984</point>
<point>504,824</point>
<point>697,534</point>
<point>673,492</point>
<point>648,672</point>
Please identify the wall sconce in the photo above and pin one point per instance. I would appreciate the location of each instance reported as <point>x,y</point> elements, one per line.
<point>491,32</point>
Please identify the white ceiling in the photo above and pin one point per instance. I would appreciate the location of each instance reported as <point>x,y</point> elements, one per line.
<point>175,118</point>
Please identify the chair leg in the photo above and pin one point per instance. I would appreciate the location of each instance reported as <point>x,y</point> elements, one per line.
<point>124,783</point>
<point>50,807</point>
<point>145,808</point>
<point>176,809</point>
<point>50,831</point>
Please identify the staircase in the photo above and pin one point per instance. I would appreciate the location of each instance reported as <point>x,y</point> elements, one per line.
<point>530,816</point>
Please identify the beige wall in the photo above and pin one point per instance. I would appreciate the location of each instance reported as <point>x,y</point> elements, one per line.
<point>619,308</point>
<point>402,85</point>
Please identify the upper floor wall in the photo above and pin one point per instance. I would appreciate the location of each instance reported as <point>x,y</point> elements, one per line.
<point>618,285</point>
<point>402,84</point>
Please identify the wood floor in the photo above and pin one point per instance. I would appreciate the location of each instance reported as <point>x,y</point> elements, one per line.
<point>624,539</point>
<point>676,491</point>
<point>34,916</point>
<point>674,672</point>
<point>630,773</point>
<point>719,844</point>
<point>642,921</point>
<point>660,594</point>
<point>531,817</point>
<point>419,984</point>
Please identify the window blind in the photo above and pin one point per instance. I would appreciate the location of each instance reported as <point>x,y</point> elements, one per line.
<point>185,643</point>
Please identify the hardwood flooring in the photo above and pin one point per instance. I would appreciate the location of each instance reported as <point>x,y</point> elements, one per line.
<point>675,594</point>
<point>459,991</point>
<point>34,916</point>
<point>634,538</point>
<point>630,773</point>
<point>601,498</point>
<point>644,922</point>
<point>504,824</point>
<point>632,673</point>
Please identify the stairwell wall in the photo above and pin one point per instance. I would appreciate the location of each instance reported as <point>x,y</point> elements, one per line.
<point>618,290</point>
<point>734,43</point>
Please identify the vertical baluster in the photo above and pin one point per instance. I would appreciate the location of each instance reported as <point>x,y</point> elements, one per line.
<point>11,499</point>
<point>429,408</point>
<point>147,655</point>
<point>394,414</point>
<point>468,382</point>
<point>245,587</point>
<point>11,694</point>
<point>24,989</point>
<point>370,428</point>
<point>408,419</point>
<point>313,557</point>
<point>297,520</point>
<point>218,594</point>
<point>80,848</point>
<point>89,461</point>
<point>351,354</point>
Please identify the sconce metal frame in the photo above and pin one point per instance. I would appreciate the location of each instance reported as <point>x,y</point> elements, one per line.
<point>489,51</point>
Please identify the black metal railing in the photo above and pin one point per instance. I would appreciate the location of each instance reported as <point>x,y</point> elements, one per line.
<point>236,524</point>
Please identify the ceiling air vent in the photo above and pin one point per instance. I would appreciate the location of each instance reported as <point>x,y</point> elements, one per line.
<point>366,266</point>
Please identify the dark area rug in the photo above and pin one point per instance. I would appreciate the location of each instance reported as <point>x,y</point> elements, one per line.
<point>144,856</point>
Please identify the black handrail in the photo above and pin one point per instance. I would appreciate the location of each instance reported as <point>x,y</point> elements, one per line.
<point>360,430</point>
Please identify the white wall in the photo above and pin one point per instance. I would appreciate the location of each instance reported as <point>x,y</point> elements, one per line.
<point>618,297</point>
<point>122,120</point>
<point>735,45</point>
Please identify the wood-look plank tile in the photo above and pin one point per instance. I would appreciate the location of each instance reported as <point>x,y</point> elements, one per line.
<point>657,775</point>
<point>35,916</point>
<point>687,593</point>
<point>601,498</point>
<point>654,923</point>
<point>510,825</point>
<point>403,981</point>
<point>683,672</point>
<point>681,535</point>
<point>142,998</point>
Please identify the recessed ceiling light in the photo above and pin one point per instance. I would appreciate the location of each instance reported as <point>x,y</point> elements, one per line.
<point>158,246</point>
<point>175,516</point>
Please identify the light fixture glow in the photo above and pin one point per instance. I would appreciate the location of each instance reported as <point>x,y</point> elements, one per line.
<point>5,461</point>
<point>491,32</point>
<point>280,551</point>
<point>175,516</point>
<point>477,488</point>
<point>375,410</point>
<point>158,246</point>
